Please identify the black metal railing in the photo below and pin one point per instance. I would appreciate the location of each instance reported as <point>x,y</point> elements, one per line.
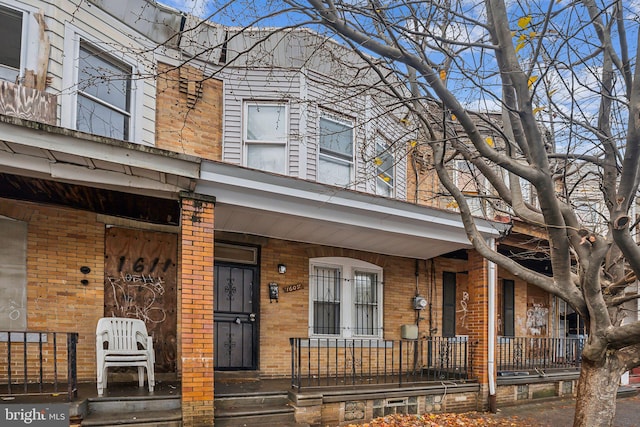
<point>515,354</point>
<point>38,363</point>
<point>330,362</point>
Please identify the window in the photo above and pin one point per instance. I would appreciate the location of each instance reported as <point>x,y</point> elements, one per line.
<point>18,50</point>
<point>508,308</point>
<point>384,168</point>
<point>345,298</point>
<point>104,94</point>
<point>468,181</point>
<point>101,96</point>
<point>336,151</point>
<point>265,137</point>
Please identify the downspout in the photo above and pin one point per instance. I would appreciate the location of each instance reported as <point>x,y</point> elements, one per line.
<point>491,283</point>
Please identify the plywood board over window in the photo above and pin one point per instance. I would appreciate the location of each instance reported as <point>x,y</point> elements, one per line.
<point>140,282</point>
<point>537,312</point>
<point>13,275</point>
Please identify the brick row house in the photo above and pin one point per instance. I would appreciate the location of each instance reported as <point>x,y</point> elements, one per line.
<point>265,217</point>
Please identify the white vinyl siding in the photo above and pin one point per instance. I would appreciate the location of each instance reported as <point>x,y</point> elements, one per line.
<point>309,95</point>
<point>260,86</point>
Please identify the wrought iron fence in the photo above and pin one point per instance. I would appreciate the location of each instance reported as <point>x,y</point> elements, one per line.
<point>529,354</point>
<point>327,362</point>
<point>38,363</point>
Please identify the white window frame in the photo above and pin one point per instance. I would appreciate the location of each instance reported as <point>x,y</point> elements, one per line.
<point>347,267</point>
<point>246,142</point>
<point>29,37</point>
<point>385,147</point>
<point>72,40</point>
<point>345,121</point>
<point>474,200</point>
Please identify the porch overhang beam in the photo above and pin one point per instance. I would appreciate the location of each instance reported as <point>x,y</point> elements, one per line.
<point>37,150</point>
<point>256,202</point>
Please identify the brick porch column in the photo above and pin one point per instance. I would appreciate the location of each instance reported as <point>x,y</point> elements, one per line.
<point>196,309</point>
<point>478,316</point>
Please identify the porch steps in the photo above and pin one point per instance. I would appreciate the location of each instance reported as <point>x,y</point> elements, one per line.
<point>143,411</point>
<point>253,409</point>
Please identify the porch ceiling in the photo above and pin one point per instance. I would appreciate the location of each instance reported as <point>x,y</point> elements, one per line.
<point>72,157</point>
<point>259,203</point>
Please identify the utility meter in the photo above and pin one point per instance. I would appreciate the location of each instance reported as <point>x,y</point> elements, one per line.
<point>419,303</point>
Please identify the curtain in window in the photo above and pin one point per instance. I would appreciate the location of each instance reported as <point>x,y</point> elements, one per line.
<point>266,123</point>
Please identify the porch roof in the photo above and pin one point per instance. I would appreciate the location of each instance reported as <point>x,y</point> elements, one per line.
<point>264,204</point>
<point>37,150</point>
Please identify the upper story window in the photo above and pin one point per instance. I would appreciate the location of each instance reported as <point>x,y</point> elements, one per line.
<point>468,180</point>
<point>265,136</point>
<point>345,298</point>
<point>385,168</point>
<point>101,96</point>
<point>335,163</point>
<point>104,94</point>
<point>18,32</point>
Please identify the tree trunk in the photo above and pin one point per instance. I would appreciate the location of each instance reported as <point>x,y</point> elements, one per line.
<point>597,390</point>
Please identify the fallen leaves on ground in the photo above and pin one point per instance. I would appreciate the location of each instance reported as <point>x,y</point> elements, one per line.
<point>446,420</point>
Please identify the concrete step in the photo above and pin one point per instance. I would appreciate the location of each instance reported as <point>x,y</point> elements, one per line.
<point>253,409</point>
<point>265,399</point>
<point>119,405</point>
<point>136,411</point>
<point>261,416</point>
<point>168,418</point>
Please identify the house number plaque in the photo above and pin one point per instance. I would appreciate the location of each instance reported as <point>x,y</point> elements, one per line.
<point>292,288</point>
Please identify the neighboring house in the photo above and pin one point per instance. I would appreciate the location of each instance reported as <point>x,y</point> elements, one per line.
<point>258,215</point>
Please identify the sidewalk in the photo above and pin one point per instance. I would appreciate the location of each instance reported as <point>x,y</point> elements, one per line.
<point>559,413</point>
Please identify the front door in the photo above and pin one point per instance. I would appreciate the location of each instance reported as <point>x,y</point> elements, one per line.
<point>235,316</point>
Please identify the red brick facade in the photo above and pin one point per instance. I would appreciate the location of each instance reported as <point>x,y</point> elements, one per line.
<point>196,311</point>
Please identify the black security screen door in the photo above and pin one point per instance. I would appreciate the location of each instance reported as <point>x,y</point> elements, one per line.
<point>235,317</point>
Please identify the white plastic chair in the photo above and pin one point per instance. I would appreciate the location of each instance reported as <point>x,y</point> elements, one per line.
<point>128,344</point>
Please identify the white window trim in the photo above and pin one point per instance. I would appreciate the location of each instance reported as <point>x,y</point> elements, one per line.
<point>344,120</point>
<point>246,141</point>
<point>29,37</point>
<point>347,267</point>
<point>384,142</point>
<point>474,200</point>
<point>69,95</point>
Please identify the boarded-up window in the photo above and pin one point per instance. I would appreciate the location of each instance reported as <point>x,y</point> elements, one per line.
<point>537,311</point>
<point>13,275</point>
<point>140,282</point>
<point>448,304</point>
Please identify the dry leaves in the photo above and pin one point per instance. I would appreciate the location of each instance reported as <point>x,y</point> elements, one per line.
<point>445,420</point>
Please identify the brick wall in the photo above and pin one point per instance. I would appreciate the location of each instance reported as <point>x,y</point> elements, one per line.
<point>289,317</point>
<point>196,311</point>
<point>59,242</point>
<point>478,315</point>
<point>189,112</point>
